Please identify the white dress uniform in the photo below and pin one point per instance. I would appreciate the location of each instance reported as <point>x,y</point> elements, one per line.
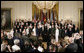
<point>56,34</point>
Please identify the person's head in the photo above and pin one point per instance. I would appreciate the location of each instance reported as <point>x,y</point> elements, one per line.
<point>58,44</point>
<point>5,42</point>
<point>71,40</point>
<point>62,27</point>
<point>38,26</point>
<point>50,47</point>
<point>76,26</point>
<point>19,20</point>
<point>77,36</point>
<point>52,26</point>
<point>70,29</point>
<point>61,19</point>
<point>12,29</point>
<point>34,24</point>
<point>65,26</point>
<point>16,41</point>
<point>25,27</point>
<point>26,43</point>
<point>9,36</point>
<point>32,32</point>
<point>81,32</point>
<point>30,24</point>
<point>63,44</point>
<point>71,21</point>
<point>82,41</point>
<point>21,26</point>
<point>36,44</point>
<point>66,39</point>
<point>26,24</point>
<point>42,25</point>
<point>78,41</point>
<point>20,29</point>
<point>5,32</point>
<point>17,26</point>
<point>65,31</point>
<point>16,20</point>
<point>25,20</point>
<point>57,27</point>
<point>58,22</point>
<point>52,23</point>
<point>16,30</point>
<point>53,41</point>
<point>14,26</point>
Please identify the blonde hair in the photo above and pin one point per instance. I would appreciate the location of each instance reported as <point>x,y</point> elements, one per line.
<point>16,41</point>
<point>66,39</point>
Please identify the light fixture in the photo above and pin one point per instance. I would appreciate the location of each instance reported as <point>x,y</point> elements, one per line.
<point>45,5</point>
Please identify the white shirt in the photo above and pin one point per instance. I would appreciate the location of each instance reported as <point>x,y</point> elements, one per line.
<point>40,25</point>
<point>27,31</point>
<point>34,30</point>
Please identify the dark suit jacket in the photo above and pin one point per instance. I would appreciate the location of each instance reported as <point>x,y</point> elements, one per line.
<point>72,47</point>
<point>38,31</point>
<point>70,33</point>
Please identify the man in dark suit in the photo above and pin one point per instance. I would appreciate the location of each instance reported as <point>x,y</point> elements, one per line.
<point>80,45</point>
<point>27,47</point>
<point>45,33</point>
<point>42,31</point>
<point>60,24</point>
<point>71,48</point>
<point>22,27</point>
<point>70,32</point>
<point>35,44</point>
<point>76,29</point>
<point>52,30</point>
<point>38,31</point>
<point>18,28</point>
<point>62,35</point>
<point>48,32</point>
<point>20,31</point>
<point>66,33</point>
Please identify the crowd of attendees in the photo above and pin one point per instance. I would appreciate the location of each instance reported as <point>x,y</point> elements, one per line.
<point>37,36</point>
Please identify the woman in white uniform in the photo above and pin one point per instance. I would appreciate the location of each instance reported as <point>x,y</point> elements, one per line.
<point>56,34</point>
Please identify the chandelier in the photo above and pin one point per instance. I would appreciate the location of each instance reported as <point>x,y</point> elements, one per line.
<point>45,5</point>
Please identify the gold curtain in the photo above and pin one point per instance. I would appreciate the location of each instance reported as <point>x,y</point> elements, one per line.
<point>39,12</point>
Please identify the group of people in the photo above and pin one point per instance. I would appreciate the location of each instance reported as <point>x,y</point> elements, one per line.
<point>31,36</point>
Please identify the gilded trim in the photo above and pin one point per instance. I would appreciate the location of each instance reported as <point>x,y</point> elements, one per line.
<point>79,16</point>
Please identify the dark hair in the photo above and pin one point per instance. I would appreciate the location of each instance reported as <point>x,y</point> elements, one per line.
<point>36,44</point>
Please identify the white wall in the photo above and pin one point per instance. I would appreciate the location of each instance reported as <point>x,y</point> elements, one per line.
<point>20,9</point>
<point>70,10</point>
<point>23,9</point>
